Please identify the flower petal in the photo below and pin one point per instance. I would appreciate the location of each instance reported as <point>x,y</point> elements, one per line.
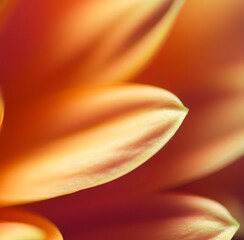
<point>80,42</point>
<point>165,217</point>
<point>225,186</point>
<point>17,224</point>
<point>78,139</point>
<point>196,50</point>
<point>202,62</point>
<point>210,139</point>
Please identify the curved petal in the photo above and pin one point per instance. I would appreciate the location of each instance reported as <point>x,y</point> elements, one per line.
<point>78,139</point>
<point>225,186</point>
<point>199,47</point>
<point>17,224</point>
<point>210,139</point>
<point>164,217</point>
<point>202,62</point>
<point>80,42</point>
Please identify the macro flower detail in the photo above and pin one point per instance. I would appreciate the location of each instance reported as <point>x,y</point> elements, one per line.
<point>91,100</point>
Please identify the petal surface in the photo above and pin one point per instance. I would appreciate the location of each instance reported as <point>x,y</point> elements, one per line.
<point>17,224</point>
<point>165,217</point>
<point>78,139</point>
<point>79,42</point>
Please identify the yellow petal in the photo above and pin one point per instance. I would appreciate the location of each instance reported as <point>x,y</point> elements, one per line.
<point>78,139</point>
<point>17,224</point>
<point>80,42</point>
<point>165,217</point>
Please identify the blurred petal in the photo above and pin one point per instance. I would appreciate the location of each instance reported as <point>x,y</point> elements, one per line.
<point>225,186</point>
<point>203,63</point>
<point>166,217</point>
<point>197,50</point>
<point>16,224</point>
<point>5,10</point>
<point>80,42</point>
<point>78,139</point>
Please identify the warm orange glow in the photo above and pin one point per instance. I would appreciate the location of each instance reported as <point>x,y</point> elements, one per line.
<point>79,42</point>
<point>83,106</point>
<point>16,224</point>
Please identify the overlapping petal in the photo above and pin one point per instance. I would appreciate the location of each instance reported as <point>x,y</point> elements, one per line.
<point>164,217</point>
<point>197,50</point>
<point>203,64</point>
<point>225,186</point>
<point>210,138</point>
<point>79,42</point>
<point>16,224</point>
<point>77,139</point>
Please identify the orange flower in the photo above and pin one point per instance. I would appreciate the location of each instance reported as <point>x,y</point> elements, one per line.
<point>70,123</point>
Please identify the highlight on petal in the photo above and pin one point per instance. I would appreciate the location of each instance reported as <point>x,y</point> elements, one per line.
<point>80,42</point>
<point>1,111</point>
<point>164,217</point>
<point>16,224</point>
<point>78,139</point>
<point>134,34</point>
<point>202,146</point>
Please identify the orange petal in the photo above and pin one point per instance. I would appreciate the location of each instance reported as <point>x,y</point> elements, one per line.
<point>78,139</point>
<point>17,224</point>
<point>211,137</point>
<point>80,42</point>
<point>197,50</point>
<point>204,144</point>
<point>165,217</point>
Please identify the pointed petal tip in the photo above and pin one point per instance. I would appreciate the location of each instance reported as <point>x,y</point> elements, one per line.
<point>137,121</point>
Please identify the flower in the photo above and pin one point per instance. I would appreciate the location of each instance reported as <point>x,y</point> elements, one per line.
<point>73,134</point>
